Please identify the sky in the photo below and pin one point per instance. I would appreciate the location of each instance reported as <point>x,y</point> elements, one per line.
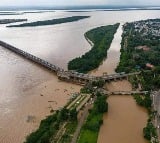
<point>77,2</point>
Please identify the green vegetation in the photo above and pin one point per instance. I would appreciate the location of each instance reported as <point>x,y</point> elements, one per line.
<point>102,38</point>
<point>90,130</point>
<point>86,90</point>
<point>7,21</point>
<point>139,46</point>
<point>49,127</point>
<point>99,83</point>
<point>88,136</point>
<point>150,131</point>
<point>70,129</point>
<point>45,131</point>
<point>51,22</point>
<point>90,87</point>
<point>143,100</point>
<point>139,52</point>
<point>150,80</point>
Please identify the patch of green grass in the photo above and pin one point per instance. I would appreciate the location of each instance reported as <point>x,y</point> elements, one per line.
<point>90,130</point>
<point>88,136</point>
<point>70,129</point>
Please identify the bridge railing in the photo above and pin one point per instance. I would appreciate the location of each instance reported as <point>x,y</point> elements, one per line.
<point>31,57</point>
<point>68,74</point>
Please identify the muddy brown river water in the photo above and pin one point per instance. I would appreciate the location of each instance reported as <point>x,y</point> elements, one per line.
<point>26,88</point>
<point>125,120</point>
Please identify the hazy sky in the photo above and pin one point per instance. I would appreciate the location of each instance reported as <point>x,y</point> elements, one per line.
<point>77,2</point>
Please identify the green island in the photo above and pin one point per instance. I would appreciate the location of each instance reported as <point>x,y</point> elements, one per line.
<point>140,48</point>
<point>51,22</point>
<point>102,38</point>
<point>7,21</point>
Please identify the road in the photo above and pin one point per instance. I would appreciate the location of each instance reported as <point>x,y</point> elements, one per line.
<point>81,121</point>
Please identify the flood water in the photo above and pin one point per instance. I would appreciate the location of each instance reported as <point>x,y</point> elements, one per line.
<point>113,54</point>
<point>26,89</point>
<point>125,120</point>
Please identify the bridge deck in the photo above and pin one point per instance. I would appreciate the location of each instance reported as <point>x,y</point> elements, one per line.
<point>61,73</point>
<point>127,92</point>
<point>122,92</point>
<point>31,57</point>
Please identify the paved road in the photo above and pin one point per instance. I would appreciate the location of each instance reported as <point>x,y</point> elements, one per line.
<point>81,121</point>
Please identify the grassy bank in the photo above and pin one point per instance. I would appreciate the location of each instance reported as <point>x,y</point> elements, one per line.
<point>149,131</point>
<point>61,125</point>
<point>102,38</point>
<point>51,22</point>
<point>53,127</point>
<point>90,130</point>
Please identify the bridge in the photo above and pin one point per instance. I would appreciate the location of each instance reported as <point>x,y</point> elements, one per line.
<point>117,76</point>
<point>70,76</point>
<point>126,92</point>
<point>108,93</point>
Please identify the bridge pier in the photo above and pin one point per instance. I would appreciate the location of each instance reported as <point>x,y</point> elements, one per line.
<point>71,76</point>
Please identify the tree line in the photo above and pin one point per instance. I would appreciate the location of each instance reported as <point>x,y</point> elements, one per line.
<point>102,38</point>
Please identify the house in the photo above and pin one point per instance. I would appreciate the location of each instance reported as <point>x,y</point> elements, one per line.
<point>144,48</point>
<point>148,65</point>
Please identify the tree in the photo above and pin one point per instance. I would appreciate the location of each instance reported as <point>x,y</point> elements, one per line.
<point>63,114</point>
<point>101,104</point>
<point>73,114</point>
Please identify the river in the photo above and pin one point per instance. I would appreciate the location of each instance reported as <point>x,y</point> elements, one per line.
<point>26,87</point>
<point>113,55</point>
<point>125,120</point>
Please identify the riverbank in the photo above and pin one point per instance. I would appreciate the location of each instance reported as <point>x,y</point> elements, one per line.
<point>113,54</point>
<point>25,106</point>
<point>50,95</point>
<point>139,53</point>
<point>125,120</point>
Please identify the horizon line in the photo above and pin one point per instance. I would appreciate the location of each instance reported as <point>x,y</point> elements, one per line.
<point>77,7</point>
<point>80,6</point>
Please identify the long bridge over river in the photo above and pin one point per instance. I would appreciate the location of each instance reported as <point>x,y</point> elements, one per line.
<point>108,93</point>
<point>70,76</point>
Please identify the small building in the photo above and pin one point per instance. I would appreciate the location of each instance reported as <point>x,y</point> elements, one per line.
<point>148,65</point>
<point>144,48</point>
